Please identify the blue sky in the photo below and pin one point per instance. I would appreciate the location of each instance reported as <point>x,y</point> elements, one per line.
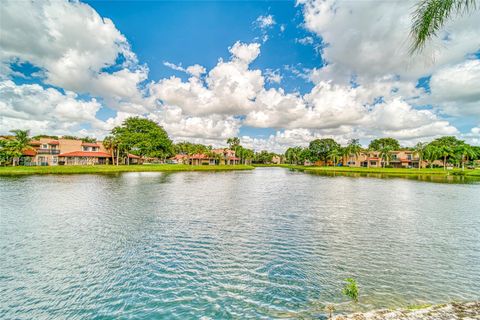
<point>275,73</point>
<point>201,32</point>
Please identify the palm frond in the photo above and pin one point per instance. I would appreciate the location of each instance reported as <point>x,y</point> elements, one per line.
<point>431,15</point>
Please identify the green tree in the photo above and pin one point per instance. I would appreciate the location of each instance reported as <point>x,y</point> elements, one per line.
<point>446,151</point>
<point>70,137</point>
<point>431,15</point>
<point>420,149</point>
<point>111,144</point>
<point>321,148</point>
<point>379,144</point>
<point>142,137</point>
<point>89,139</point>
<point>351,289</point>
<point>293,155</point>
<point>334,155</point>
<point>233,142</point>
<point>263,157</point>
<point>465,152</point>
<point>353,148</point>
<point>432,153</point>
<point>19,144</point>
<point>446,147</point>
<point>386,154</point>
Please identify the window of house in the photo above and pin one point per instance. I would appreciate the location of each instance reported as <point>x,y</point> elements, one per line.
<point>373,163</point>
<point>44,146</point>
<point>409,157</point>
<point>54,159</point>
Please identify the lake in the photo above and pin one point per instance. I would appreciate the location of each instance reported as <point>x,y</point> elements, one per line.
<point>263,244</point>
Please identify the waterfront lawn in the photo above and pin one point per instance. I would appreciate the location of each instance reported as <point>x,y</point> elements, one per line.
<point>21,170</point>
<point>391,171</point>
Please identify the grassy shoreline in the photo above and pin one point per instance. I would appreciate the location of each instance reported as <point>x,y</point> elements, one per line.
<point>386,171</point>
<point>20,170</point>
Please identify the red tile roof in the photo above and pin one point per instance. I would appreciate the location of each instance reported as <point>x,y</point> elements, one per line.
<point>35,142</point>
<point>54,142</point>
<point>133,156</point>
<point>85,154</point>
<point>29,152</point>
<point>90,144</point>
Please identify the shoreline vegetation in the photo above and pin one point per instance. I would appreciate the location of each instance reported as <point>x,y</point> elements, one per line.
<point>94,169</point>
<point>386,171</point>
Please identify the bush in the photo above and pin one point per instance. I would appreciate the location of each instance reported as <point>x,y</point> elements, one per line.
<point>351,289</point>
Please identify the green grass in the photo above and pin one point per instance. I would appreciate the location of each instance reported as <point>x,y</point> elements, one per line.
<point>418,306</point>
<point>388,171</point>
<point>20,170</point>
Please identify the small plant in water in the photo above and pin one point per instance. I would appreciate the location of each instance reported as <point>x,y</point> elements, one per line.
<point>351,289</point>
<point>330,308</point>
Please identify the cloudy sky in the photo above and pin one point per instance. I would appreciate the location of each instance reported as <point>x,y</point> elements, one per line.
<point>274,73</point>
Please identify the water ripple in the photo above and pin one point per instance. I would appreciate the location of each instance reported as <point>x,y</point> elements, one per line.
<point>267,244</point>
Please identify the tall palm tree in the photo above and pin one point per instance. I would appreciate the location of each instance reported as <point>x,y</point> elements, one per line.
<point>465,152</point>
<point>111,145</point>
<point>420,150</point>
<point>233,142</point>
<point>432,153</point>
<point>19,144</point>
<point>431,15</point>
<point>386,155</point>
<point>445,152</point>
<point>334,155</point>
<point>354,147</point>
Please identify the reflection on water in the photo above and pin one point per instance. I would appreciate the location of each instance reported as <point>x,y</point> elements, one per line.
<point>267,243</point>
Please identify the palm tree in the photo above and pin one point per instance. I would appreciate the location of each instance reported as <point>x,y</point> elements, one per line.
<point>420,150</point>
<point>432,153</point>
<point>431,15</point>
<point>111,145</point>
<point>445,152</point>
<point>354,147</point>
<point>465,152</point>
<point>385,154</point>
<point>19,144</point>
<point>233,142</point>
<point>333,155</point>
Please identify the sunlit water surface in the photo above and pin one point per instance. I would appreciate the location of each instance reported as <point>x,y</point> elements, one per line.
<point>268,243</point>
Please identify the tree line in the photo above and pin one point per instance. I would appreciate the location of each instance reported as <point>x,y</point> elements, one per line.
<point>448,149</point>
<point>147,139</point>
<point>136,136</point>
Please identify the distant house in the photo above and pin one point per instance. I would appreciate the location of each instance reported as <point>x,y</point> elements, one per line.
<point>217,157</point>
<point>50,152</point>
<point>276,159</point>
<point>373,159</point>
<point>226,156</point>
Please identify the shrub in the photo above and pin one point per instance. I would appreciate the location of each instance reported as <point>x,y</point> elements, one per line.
<point>351,289</point>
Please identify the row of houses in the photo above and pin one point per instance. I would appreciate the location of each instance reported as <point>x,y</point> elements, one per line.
<point>373,159</point>
<point>46,151</point>
<point>215,157</point>
<point>49,152</point>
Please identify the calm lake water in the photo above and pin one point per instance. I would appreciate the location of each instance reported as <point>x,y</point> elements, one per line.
<point>268,243</point>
